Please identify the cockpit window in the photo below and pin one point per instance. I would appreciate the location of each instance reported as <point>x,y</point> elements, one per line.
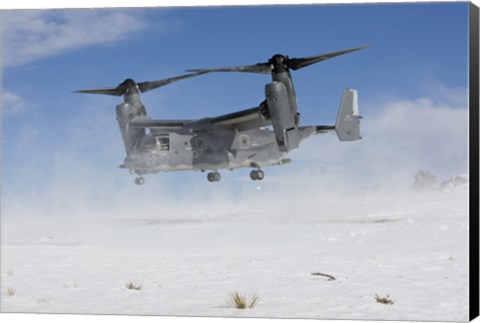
<point>150,142</point>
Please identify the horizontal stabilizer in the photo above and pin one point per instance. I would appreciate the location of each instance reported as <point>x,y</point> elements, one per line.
<point>348,118</point>
<point>323,129</point>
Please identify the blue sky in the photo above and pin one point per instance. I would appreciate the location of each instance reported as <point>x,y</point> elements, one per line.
<point>412,84</point>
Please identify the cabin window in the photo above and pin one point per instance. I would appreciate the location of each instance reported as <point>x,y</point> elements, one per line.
<point>163,142</point>
<point>244,141</point>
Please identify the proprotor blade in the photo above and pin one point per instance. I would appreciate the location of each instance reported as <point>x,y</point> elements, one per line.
<point>147,86</point>
<point>122,88</point>
<point>129,85</point>
<point>281,61</point>
<point>108,91</point>
<point>298,63</point>
<point>261,68</point>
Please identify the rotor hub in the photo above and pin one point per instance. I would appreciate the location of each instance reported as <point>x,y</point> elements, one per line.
<point>129,82</point>
<point>129,86</point>
<point>279,63</point>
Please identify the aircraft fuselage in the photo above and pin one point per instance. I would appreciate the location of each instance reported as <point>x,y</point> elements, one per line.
<point>209,150</point>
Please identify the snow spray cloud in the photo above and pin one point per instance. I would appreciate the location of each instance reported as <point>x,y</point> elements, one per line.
<point>77,175</point>
<point>72,170</point>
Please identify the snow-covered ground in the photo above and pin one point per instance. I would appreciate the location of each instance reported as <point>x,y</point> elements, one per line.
<point>412,246</point>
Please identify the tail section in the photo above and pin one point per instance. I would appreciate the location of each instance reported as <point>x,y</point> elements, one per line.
<point>347,126</point>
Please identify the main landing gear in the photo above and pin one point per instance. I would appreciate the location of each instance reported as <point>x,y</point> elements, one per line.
<point>214,177</point>
<point>257,175</point>
<point>140,180</point>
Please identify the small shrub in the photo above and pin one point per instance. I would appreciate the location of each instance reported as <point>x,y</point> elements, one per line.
<point>424,180</point>
<point>133,286</point>
<point>11,291</point>
<point>383,300</point>
<point>239,301</point>
<point>72,284</point>
<point>43,300</point>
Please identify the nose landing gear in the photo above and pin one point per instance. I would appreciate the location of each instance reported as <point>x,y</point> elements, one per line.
<point>140,180</point>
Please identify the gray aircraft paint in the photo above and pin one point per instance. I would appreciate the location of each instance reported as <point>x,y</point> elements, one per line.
<point>256,137</point>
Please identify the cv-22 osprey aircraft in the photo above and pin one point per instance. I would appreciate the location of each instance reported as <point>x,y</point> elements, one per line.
<point>253,138</point>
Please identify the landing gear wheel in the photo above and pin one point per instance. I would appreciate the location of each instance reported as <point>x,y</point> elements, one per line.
<point>260,174</point>
<point>139,180</point>
<point>257,175</point>
<point>214,177</point>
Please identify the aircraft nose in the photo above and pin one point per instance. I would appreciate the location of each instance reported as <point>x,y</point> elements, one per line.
<point>130,160</point>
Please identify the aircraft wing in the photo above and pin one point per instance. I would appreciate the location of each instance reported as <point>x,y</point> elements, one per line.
<point>242,120</point>
<point>158,124</point>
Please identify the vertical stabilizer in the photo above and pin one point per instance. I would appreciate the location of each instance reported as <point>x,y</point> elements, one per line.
<point>348,118</point>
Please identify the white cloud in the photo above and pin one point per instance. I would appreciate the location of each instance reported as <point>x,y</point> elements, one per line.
<point>12,104</point>
<point>448,96</point>
<point>399,138</point>
<point>422,134</point>
<point>29,35</point>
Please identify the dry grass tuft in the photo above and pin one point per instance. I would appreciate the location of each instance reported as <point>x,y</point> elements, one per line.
<point>239,301</point>
<point>383,300</point>
<point>11,291</point>
<point>133,286</point>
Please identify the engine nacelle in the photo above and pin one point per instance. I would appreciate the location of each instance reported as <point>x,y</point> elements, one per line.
<point>126,112</point>
<point>283,116</point>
